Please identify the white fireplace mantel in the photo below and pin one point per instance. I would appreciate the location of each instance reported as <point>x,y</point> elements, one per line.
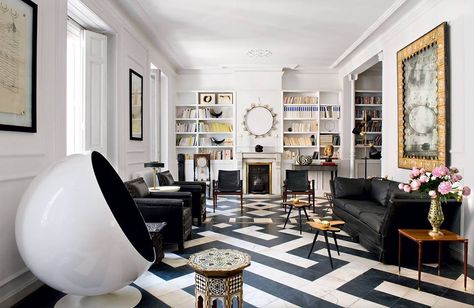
<point>274,158</point>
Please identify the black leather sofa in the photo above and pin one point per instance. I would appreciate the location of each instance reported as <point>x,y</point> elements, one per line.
<point>198,190</point>
<point>374,210</point>
<point>174,208</point>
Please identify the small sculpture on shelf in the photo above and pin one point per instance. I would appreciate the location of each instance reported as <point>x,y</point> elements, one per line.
<point>215,114</point>
<point>258,148</point>
<point>217,142</point>
<point>329,152</point>
<point>304,160</point>
<point>313,140</point>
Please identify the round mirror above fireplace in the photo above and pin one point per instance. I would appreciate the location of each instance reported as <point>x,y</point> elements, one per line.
<point>259,120</point>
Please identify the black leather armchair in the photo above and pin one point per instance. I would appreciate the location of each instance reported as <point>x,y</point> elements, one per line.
<point>296,183</point>
<point>171,207</point>
<point>228,183</point>
<point>197,189</point>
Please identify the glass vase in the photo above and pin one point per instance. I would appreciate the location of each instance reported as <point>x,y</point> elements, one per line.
<point>435,217</point>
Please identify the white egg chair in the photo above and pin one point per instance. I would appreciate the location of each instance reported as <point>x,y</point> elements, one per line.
<point>80,232</point>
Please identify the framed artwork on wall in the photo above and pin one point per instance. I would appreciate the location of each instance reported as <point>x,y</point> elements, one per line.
<point>202,167</point>
<point>224,98</point>
<point>18,27</point>
<point>136,105</point>
<point>207,98</point>
<point>423,101</point>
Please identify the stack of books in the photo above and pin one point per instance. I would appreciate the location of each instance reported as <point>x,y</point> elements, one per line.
<point>300,100</point>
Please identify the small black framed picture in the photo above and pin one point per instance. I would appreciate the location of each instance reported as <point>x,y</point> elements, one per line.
<point>207,98</point>
<point>315,155</point>
<point>136,105</point>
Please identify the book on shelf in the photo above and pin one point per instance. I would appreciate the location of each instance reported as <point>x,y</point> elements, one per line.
<point>298,141</point>
<point>216,127</point>
<point>186,141</point>
<point>325,140</point>
<point>226,154</point>
<point>368,100</point>
<point>301,127</point>
<point>359,113</point>
<point>185,127</point>
<point>336,140</point>
<point>372,127</point>
<point>187,113</point>
<point>300,112</point>
<point>300,100</point>
<point>330,112</point>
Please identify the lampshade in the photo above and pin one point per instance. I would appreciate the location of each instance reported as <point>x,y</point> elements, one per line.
<point>78,229</point>
<point>154,164</point>
<point>356,131</point>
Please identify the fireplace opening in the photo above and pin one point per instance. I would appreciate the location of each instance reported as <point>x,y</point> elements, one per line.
<point>259,178</point>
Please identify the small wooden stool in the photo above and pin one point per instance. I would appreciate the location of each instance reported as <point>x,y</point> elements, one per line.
<point>299,205</point>
<point>219,276</point>
<point>332,227</point>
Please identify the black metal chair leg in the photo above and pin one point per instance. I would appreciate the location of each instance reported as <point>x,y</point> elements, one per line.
<point>307,217</point>
<point>335,242</point>
<point>327,246</point>
<point>301,226</point>
<point>288,217</point>
<point>314,241</point>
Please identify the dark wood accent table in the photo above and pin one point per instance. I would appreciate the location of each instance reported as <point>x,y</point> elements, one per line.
<point>154,228</point>
<point>299,205</point>
<point>422,235</point>
<point>333,228</point>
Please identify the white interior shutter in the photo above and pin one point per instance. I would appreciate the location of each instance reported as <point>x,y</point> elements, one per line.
<point>95,96</point>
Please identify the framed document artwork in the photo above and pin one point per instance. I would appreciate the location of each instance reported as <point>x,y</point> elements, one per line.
<point>136,105</point>
<point>18,23</point>
<point>423,97</point>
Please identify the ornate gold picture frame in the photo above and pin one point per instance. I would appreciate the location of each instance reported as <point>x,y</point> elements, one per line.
<point>423,97</point>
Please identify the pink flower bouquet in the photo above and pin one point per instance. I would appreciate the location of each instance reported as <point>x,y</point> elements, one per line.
<point>442,183</point>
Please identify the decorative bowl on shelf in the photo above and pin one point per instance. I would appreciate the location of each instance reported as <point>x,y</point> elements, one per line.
<point>304,160</point>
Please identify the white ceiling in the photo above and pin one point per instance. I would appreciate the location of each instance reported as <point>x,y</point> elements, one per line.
<point>312,34</point>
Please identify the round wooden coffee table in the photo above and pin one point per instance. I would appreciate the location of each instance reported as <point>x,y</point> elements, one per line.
<point>332,228</point>
<point>219,276</point>
<point>301,204</point>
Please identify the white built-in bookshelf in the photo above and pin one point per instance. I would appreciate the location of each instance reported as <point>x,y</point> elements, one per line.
<point>368,102</point>
<point>311,120</point>
<point>205,127</point>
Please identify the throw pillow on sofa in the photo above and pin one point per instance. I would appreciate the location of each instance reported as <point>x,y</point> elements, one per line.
<point>165,178</point>
<point>380,191</point>
<point>137,188</point>
<point>351,188</point>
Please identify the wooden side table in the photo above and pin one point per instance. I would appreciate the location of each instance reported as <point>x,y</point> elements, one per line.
<point>299,205</point>
<point>219,276</point>
<point>422,235</point>
<point>155,233</point>
<point>332,228</point>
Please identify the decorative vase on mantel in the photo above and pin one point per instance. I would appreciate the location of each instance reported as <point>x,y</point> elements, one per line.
<point>435,217</point>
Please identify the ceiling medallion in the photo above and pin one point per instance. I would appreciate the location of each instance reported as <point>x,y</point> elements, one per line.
<point>259,53</point>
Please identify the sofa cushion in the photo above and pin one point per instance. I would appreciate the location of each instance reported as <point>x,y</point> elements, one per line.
<point>373,220</point>
<point>380,191</point>
<point>357,207</point>
<point>137,188</point>
<point>165,178</point>
<point>350,188</point>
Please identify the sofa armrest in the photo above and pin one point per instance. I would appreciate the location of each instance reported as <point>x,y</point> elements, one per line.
<point>197,183</point>
<point>195,189</point>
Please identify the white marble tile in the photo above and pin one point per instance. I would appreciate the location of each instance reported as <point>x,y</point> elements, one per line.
<point>178,298</point>
<point>174,260</point>
<point>280,303</point>
<point>197,242</point>
<point>257,297</point>
<point>393,289</point>
<point>260,220</point>
<point>261,213</point>
<point>363,303</point>
<point>222,225</point>
<point>340,298</point>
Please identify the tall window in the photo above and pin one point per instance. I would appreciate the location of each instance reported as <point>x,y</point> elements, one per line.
<point>86,90</point>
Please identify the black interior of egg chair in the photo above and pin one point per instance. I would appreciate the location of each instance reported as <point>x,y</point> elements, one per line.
<point>122,206</point>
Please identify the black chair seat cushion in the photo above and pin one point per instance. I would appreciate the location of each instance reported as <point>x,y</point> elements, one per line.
<point>137,188</point>
<point>165,178</point>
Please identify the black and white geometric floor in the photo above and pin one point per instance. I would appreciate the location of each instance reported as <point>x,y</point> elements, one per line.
<point>281,275</point>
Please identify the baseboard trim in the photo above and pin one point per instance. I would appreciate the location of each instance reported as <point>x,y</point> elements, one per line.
<point>21,285</point>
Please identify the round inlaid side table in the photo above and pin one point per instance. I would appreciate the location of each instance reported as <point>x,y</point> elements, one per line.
<point>219,276</point>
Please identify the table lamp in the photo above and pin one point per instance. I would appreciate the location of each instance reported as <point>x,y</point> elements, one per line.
<point>154,165</point>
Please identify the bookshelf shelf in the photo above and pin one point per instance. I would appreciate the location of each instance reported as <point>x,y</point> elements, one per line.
<point>307,135</point>
<point>195,125</point>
